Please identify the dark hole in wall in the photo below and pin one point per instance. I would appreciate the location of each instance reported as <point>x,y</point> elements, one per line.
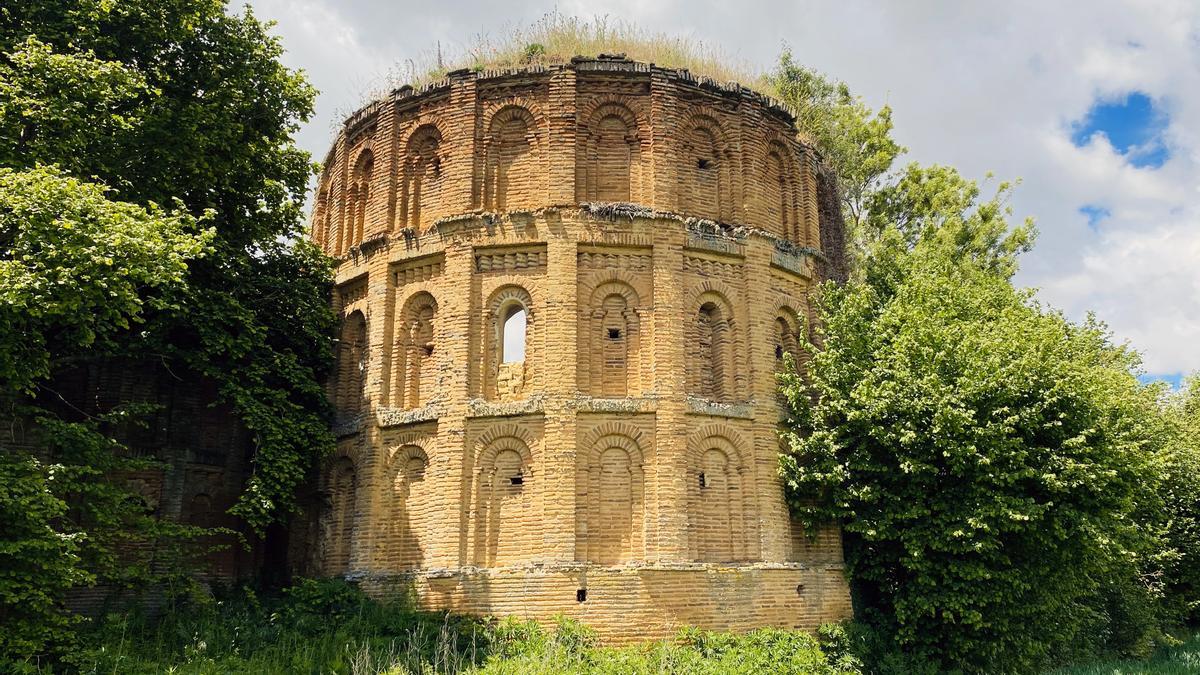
<point>778,352</point>
<point>614,333</point>
<point>428,349</point>
<point>799,589</point>
<point>703,482</point>
<point>702,163</point>
<point>581,595</point>
<point>518,479</point>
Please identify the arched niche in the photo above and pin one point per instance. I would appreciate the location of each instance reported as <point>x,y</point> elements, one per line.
<point>610,518</point>
<point>357,199</point>
<point>512,171</point>
<point>415,510</point>
<point>509,326</point>
<point>350,375</point>
<point>705,170</point>
<point>338,524</point>
<point>423,177</point>
<point>612,168</point>
<point>507,515</point>
<point>417,351</point>
<point>611,341</point>
<point>718,500</point>
<point>713,357</point>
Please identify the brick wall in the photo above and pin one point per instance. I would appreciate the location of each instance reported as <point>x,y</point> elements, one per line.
<point>542,392</point>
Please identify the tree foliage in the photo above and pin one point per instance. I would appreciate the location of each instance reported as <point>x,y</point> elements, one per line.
<point>197,111</point>
<point>856,141</point>
<point>1180,495</point>
<point>150,207</point>
<point>78,268</point>
<point>990,462</point>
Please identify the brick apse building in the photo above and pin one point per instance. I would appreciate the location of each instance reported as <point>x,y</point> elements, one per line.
<point>564,294</point>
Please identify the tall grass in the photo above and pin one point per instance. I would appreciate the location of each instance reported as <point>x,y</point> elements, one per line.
<point>331,627</point>
<point>556,38</point>
<point>1180,660</point>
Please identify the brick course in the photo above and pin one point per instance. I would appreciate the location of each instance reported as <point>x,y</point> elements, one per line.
<point>655,235</point>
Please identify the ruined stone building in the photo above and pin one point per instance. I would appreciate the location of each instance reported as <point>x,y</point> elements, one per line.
<point>564,295</point>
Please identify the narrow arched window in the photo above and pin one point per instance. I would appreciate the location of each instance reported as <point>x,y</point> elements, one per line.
<point>512,346</point>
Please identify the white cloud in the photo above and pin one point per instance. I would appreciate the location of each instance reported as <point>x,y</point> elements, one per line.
<point>979,86</point>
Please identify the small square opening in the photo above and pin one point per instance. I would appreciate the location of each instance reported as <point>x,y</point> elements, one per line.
<point>614,333</point>
<point>581,595</point>
<point>702,163</point>
<point>518,479</point>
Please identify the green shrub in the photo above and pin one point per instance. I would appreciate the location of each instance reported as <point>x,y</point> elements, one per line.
<point>988,461</point>
<point>329,626</point>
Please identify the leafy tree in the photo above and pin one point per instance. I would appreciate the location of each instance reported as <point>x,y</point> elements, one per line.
<point>38,563</point>
<point>1180,495</point>
<point>939,209</point>
<point>195,107</point>
<point>107,111</point>
<point>856,141</point>
<point>77,268</point>
<point>987,458</point>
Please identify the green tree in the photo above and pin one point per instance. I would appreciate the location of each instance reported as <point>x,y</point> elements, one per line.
<point>77,268</point>
<point>856,141</point>
<point>109,110</point>
<point>1181,505</point>
<point>987,458</point>
<point>195,109</point>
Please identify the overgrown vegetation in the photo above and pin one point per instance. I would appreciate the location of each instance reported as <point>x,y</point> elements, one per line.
<point>1181,659</point>
<point>557,38</point>
<point>150,209</point>
<point>331,627</point>
<point>1012,497</point>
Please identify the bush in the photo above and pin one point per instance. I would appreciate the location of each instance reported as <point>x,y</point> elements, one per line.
<point>331,626</point>
<point>989,462</point>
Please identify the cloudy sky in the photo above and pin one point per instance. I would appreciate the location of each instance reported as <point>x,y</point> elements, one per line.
<point>1097,111</point>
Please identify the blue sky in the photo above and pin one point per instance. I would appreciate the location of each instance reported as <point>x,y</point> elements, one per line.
<point>1133,124</point>
<point>1095,108</point>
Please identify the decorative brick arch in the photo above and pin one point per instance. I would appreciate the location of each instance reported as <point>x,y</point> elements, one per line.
<point>706,168</point>
<point>337,521</point>
<point>716,366</point>
<point>779,194</point>
<point>358,199</point>
<point>610,167</point>
<point>610,499</point>
<point>507,511</point>
<point>322,216</point>
<point>416,350</point>
<point>513,177</point>
<point>786,336</point>
<point>610,339</point>
<point>350,376</point>
<point>719,502</point>
<point>424,165</point>
<point>413,507</point>
<point>501,380</point>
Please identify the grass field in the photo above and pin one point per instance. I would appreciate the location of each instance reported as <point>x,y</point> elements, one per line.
<point>1167,661</point>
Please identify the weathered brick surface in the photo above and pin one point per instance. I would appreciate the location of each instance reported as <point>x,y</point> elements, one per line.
<point>655,236</point>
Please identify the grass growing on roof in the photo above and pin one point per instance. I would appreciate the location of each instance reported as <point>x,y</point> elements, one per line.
<point>556,38</point>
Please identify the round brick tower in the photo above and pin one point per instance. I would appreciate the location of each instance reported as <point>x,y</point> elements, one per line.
<point>564,293</point>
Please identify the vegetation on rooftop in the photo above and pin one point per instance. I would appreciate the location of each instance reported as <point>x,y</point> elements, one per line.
<point>557,38</point>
